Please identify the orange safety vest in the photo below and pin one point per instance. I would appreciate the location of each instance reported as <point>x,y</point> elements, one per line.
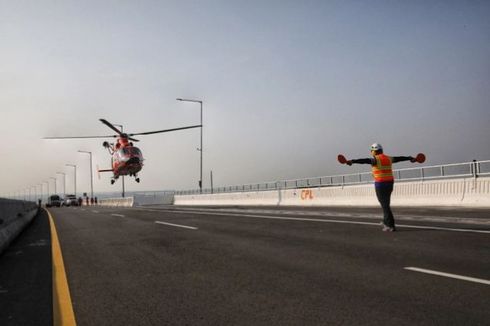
<point>382,171</point>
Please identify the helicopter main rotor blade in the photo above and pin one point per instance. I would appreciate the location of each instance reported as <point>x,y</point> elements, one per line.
<point>111,136</point>
<point>108,124</point>
<point>165,130</point>
<point>124,135</point>
<point>85,137</point>
<point>133,139</point>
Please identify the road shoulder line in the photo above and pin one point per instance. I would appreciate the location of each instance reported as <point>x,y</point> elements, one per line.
<point>62,305</point>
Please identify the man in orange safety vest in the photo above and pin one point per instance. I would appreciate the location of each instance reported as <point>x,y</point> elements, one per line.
<point>383,179</point>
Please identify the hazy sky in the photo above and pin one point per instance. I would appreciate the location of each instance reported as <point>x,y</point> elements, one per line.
<point>286,85</point>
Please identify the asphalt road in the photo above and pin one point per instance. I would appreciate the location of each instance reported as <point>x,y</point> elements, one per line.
<point>26,279</point>
<point>271,266</point>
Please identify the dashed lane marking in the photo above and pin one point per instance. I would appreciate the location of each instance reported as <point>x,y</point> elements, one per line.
<point>455,276</point>
<point>425,227</point>
<point>177,225</point>
<point>120,215</point>
<point>364,215</point>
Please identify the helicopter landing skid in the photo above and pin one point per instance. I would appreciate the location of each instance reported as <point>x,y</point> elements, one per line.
<point>113,180</point>
<point>135,179</point>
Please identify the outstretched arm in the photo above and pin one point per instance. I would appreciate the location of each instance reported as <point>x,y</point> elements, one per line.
<point>396,159</point>
<point>361,161</point>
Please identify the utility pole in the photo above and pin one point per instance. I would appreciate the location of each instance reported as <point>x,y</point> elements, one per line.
<point>54,184</point>
<point>64,183</point>
<point>74,178</point>
<point>199,149</point>
<point>91,174</point>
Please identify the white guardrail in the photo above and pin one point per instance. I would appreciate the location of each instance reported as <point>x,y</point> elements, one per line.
<point>140,199</point>
<point>462,184</point>
<point>473,169</point>
<point>465,192</point>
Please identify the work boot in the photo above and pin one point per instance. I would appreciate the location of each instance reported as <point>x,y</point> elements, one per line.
<point>387,228</point>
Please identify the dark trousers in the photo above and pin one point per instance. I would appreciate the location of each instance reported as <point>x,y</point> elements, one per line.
<point>383,192</point>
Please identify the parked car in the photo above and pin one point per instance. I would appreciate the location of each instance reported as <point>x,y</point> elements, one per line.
<point>71,200</point>
<point>54,200</point>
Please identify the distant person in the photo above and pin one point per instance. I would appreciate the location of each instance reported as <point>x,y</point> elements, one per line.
<point>95,200</point>
<point>383,180</point>
<point>80,201</point>
<point>86,200</point>
<point>91,200</point>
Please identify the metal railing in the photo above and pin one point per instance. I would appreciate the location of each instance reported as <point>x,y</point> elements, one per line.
<point>472,169</point>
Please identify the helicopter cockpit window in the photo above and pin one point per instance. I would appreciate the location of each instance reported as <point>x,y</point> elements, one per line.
<point>133,151</point>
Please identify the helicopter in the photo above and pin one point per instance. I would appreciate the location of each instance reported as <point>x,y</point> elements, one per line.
<point>126,159</point>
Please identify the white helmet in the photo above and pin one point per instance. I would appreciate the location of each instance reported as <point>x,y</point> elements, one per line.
<point>376,147</point>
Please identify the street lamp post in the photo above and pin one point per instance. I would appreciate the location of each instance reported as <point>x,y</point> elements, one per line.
<point>200,149</point>
<point>54,184</point>
<point>91,174</point>
<point>64,183</point>
<point>74,178</point>
<point>122,177</point>
<point>47,193</point>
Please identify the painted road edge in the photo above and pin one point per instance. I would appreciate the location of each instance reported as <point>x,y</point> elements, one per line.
<point>455,276</point>
<point>62,306</point>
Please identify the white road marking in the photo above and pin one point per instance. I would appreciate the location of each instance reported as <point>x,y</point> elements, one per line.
<point>368,215</point>
<point>459,277</point>
<point>177,225</point>
<point>441,228</point>
<point>118,215</point>
<point>96,212</point>
<point>425,227</point>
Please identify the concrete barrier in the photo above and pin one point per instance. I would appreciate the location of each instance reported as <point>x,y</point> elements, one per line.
<point>464,192</point>
<point>15,215</point>
<point>157,198</point>
<point>117,202</point>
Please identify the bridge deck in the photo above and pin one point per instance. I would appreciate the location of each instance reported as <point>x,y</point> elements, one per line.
<point>265,266</point>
